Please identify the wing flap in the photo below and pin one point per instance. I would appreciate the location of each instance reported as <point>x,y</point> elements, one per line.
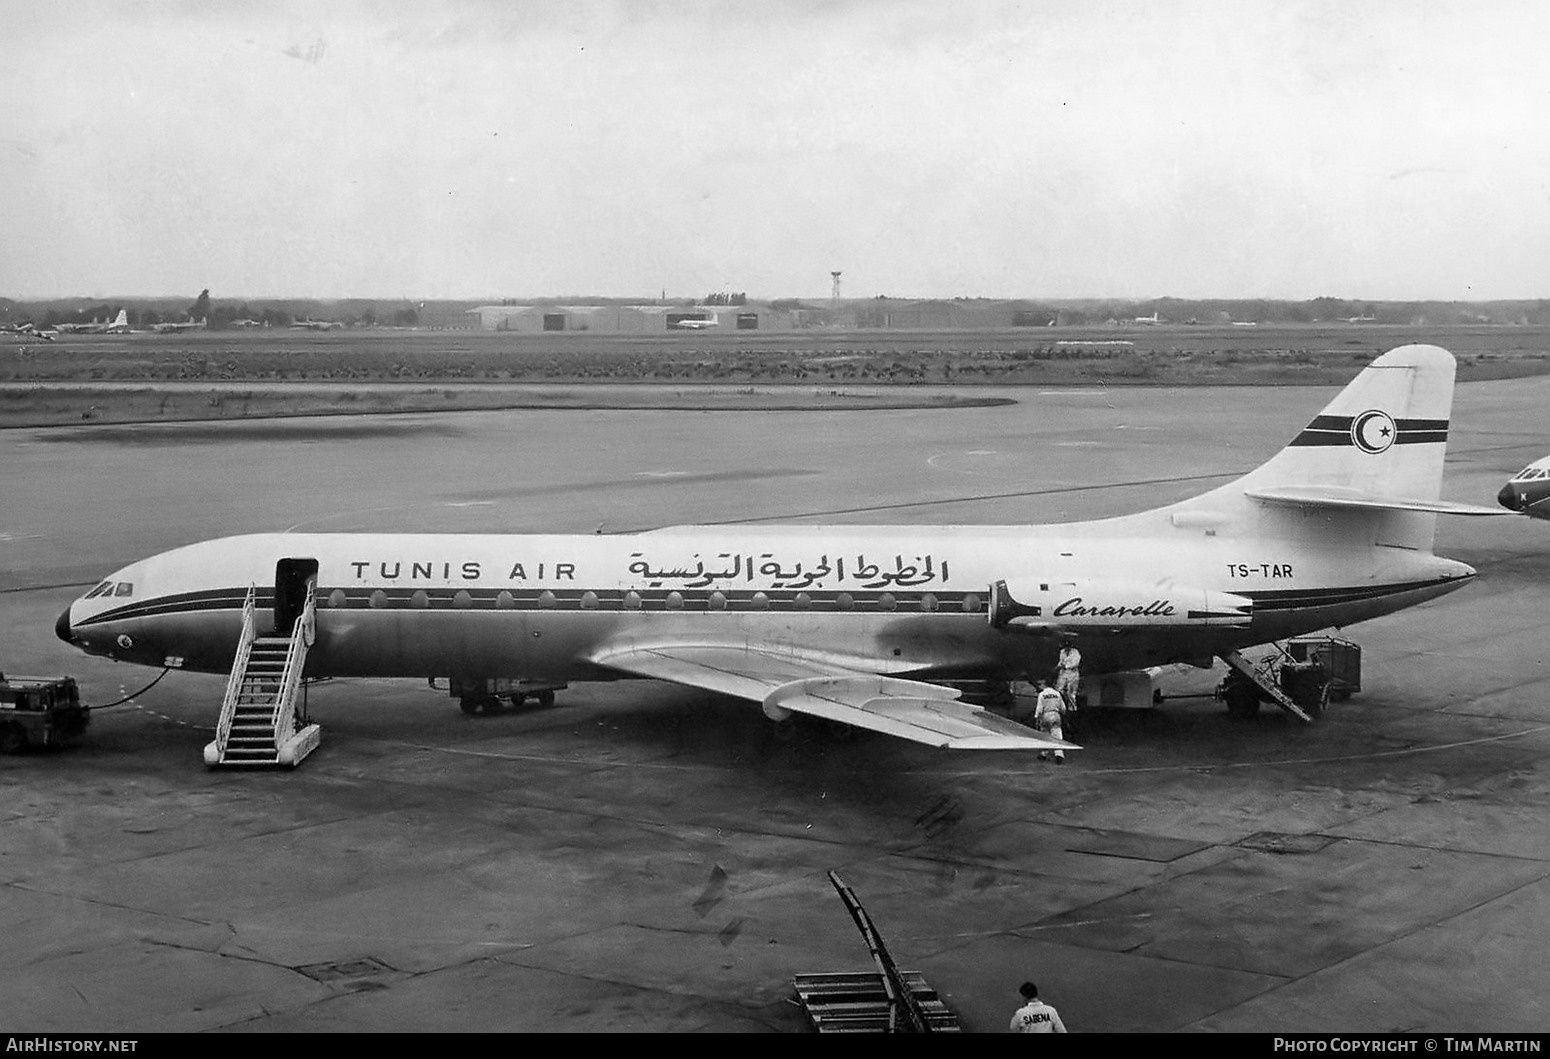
<point>1339,496</point>
<point>920,712</point>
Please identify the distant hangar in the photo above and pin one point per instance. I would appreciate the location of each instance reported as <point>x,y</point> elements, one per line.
<point>879,313</point>
<point>633,319</point>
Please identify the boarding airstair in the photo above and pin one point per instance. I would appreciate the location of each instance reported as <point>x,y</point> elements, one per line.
<point>260,723</point>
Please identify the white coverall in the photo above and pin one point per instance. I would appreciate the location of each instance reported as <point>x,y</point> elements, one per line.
<point>1037,1017</point>
<point>1048,714</point>
<point>1068,676</point>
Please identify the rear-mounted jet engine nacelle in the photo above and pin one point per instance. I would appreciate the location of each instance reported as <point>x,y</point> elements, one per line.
<point>1075,605</point>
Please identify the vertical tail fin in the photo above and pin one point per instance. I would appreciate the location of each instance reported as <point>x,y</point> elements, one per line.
<point>1384,435</point>
<point>1378,448</point>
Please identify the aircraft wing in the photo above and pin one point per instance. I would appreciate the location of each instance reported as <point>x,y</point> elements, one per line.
<point>1337,496</point>
<point>821,686</point>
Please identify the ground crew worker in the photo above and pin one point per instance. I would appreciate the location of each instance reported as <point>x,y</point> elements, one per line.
<point>1048,716</point>
<point>1068,673</point>
<point>1035,1016</point>
<point>1068,676</point>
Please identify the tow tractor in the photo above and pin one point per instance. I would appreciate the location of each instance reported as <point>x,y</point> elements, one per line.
<point>40,711</point>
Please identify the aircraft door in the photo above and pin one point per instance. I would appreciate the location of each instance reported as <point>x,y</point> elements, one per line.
<point>293,583</point>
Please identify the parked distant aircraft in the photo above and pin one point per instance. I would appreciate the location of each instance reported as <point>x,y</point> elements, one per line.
<point>318,325</point>
<point>1528,491</point>
<point>865,625</point>
<point>1153,319</point>
<point>119,326</point>
<point>27,329</point>
<point>694,323</point>
<point>185,325</point>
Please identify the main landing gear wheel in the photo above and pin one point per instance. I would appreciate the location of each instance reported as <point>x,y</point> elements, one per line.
<point>476,704</point>
<point>1242,700</point>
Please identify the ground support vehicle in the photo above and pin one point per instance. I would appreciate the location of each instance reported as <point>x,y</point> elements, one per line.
<point>1311,671</point>
<point>40,711</point>
<point>493,694</point>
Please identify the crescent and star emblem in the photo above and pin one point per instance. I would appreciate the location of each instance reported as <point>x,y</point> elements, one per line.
<point>1373,431</point>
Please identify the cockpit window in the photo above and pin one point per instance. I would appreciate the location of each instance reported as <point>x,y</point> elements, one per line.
<point>125,588</point>
<point>101,589</point>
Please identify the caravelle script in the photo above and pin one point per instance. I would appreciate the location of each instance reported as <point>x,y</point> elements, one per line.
<point>1075,607</point>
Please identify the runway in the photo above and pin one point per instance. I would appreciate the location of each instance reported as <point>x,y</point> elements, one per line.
<point>641,857</point>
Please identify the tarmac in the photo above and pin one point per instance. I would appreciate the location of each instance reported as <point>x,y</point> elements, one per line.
<point>646,858</point>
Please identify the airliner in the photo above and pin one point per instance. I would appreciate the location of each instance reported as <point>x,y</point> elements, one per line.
<point>1528,491</point>
<point>28,329</point>
<point>871,626</point>
<point>176,327</point>
<point>119,326</point>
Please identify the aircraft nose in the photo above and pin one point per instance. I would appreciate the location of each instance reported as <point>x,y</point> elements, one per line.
<point>62,628</point>
<point>1510,498</point>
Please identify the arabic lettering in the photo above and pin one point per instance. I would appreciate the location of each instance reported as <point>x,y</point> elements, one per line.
<point>726,568</point>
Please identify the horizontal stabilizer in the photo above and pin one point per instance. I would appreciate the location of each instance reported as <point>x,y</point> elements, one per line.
<point>1344,497</point>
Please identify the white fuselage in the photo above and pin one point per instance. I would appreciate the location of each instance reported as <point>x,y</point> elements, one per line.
<point>911,600</point>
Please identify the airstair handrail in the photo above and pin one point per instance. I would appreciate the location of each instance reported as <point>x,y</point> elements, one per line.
<point>239,667</point>
<point>302,636</point>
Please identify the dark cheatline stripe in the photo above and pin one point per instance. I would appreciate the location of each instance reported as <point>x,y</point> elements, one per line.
<point>185,603</point>
<point>567,599</point>
<point>1327,597</point>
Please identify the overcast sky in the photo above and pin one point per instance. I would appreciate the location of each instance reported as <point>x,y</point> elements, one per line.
<point>1385,150</point>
